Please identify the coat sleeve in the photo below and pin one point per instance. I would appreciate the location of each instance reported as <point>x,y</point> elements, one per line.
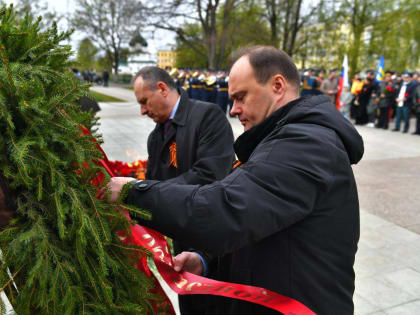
<point>214,153</point>
<point>276,188</point>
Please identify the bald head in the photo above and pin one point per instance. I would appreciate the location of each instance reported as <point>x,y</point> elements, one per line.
<point>267,61</point>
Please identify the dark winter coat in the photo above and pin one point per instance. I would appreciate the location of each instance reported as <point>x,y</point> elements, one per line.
<point>416,99</point>
<point>287,220</point>
<point>387,96</point>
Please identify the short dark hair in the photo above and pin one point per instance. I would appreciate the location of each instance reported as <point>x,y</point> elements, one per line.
<point>267,61</point>
<point>152,75</point>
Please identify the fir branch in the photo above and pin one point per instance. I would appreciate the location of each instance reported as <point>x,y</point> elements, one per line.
<point>57,214</point>
<point>12,278</point>
<point>6,64</point>
<point>138,213</point>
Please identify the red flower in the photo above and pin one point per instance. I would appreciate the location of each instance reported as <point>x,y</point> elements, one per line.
<point>390,89</point>
<point>136,169</point>
<point>406,95</point>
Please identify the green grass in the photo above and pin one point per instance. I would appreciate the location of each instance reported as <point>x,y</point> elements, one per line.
<point>99,97</point>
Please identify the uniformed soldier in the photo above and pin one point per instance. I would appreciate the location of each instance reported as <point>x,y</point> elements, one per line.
<point>180,83</point>
<point>202,79</point>
<point>195,86</point>
<point>222,91</point>
<point>210,88</point>
<point>174,75</point>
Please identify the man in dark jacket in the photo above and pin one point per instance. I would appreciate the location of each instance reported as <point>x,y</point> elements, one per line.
<point>192,142</point>
<point>386,99</point>
<point>404,102</point>
<point>416,101</point>
<point>287,219</point>
<point>370,90</point>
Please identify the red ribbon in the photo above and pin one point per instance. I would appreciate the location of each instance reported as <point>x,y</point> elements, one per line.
<point>187,283</point>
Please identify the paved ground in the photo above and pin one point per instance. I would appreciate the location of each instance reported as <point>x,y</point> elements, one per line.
<point>388,260</point>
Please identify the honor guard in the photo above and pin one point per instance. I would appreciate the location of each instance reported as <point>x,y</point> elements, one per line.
<point>195,86</point>
<point>210,89</point>
<point>202,79</point>
<point>174,75</point>
<point>222,91</point>
<point>180,83</point>
<point>187,86</point>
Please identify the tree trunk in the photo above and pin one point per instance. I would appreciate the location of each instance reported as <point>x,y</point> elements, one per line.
<point>227,10</point>
<point>271,7</point>
<point>354,52</point>
<point>286,24</point>
<point>116,63</point>
<point>212,46</point>
<point>296,27</point>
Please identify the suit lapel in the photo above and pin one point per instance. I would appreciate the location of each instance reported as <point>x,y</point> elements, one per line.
<point>179,120</point>
<point>169,136</point>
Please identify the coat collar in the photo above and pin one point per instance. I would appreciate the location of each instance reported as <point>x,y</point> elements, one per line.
<point>181,114</point>
<point>250,139</point>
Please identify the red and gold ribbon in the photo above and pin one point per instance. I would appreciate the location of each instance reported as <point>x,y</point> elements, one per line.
<point>172,152</point>
<point>188,283</point>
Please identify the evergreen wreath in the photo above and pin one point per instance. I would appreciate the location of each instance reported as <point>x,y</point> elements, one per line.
<point>61,245</point>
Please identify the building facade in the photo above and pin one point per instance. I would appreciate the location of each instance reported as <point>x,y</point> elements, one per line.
<point>166,58</point>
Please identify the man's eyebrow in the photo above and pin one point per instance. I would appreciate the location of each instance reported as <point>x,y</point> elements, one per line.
<point>235,94</point>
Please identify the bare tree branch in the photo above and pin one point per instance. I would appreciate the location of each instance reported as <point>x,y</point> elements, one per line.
<point>110,24</point>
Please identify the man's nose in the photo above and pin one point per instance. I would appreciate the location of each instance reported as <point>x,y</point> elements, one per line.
<point>143,110</point>
<point>235,109</point>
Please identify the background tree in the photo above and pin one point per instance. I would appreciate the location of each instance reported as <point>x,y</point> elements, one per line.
<point>253,30</point>
<point>171,15</point>
<point>286,19</point>
<point>109,24</point>
<point>359,15</point>
<point>86,54</point>
<point>323,40</point>
<point>37,8</point>
<point>187,57</point>
<point>395,34</point>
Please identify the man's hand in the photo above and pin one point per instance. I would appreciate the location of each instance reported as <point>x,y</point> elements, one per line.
<point>188,261</point>
<point>116,184</point>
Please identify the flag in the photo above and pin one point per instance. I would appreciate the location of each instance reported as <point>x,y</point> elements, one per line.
<point>380,73</point>
<point>344,81</point>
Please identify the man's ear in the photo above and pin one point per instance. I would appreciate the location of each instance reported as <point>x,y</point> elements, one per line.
<point>163,88</point>
<point>279,84</point>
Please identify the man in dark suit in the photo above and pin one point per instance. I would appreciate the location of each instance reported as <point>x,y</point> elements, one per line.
<point>192,143</point>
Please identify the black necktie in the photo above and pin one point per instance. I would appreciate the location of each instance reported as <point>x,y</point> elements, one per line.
<point>166,126</point>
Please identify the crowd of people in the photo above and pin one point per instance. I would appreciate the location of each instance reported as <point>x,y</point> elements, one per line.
<point>375,104</point>
<point>92,76</point>
<point>366,101</point>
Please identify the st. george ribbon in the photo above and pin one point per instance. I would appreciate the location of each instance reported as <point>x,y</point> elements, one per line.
<point>187,283</point>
